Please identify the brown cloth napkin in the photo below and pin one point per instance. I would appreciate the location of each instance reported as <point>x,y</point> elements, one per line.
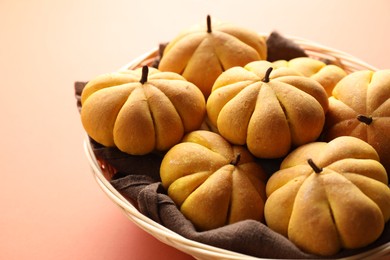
<point>282,48</point>
<point>137,179</point>
<point>248,237</point>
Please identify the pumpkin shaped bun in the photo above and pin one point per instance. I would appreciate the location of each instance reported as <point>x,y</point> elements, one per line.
<point>360,107</point>
<point>213,182</point>
<point>328,75</point>
<point>201,53</point>
<point>266,109</point>
<point>141,110</point>
<point>329,196</point>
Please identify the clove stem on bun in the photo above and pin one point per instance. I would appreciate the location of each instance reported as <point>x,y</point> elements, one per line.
<point>209,24</point>
<point>314,166</point>
<point>236,160</point>
<point>267,73</point>
<point>364,119</point>
<point>145,72</point>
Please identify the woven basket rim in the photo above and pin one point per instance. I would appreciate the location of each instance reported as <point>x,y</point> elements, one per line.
<point>199,250</point>
<point>345,60</point>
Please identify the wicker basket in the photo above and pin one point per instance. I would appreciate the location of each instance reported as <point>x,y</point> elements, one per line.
<point>196,249</point>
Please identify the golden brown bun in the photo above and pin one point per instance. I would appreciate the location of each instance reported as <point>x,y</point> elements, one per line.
<point>210,189</point>
<point>201,56</point>
<point>362,93</point>
<point>269,117</point>
<point>328,75</point>
<point>343,203</point>
<point>138,117</point>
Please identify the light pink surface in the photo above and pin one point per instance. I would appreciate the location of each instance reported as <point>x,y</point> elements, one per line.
<point>51,207</point>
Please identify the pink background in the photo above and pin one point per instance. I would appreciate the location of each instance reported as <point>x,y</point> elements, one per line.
<point>51,207</point>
